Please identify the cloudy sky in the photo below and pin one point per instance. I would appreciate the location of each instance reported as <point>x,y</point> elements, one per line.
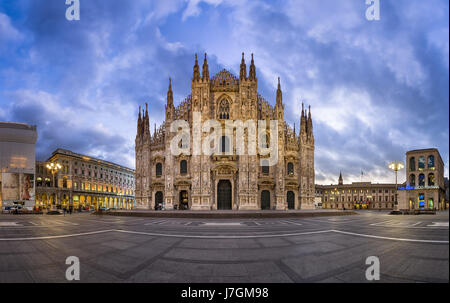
<point>376,88</point>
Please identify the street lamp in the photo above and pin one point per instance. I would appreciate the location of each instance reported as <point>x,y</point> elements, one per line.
<point>53,168</point>
<point>396,166</point>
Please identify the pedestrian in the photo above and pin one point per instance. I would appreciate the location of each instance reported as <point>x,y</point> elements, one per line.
<point>64,211</point>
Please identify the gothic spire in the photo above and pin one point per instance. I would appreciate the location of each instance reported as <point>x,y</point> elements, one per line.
<point>243,72</point>
<point>340,181</point>
<point>139,123</point>
<point>309,123</point>
<point>205,72</point>
<point>279,93</point>
<point>252,71</point>
<point>196,76</point>
<point>303,121</point>
<point>170,93</point>
<point>145,121</point>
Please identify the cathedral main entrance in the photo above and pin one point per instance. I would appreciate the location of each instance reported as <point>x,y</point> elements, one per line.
<point>224,195</point>
<point>158,200</point>
<point>265,199</point>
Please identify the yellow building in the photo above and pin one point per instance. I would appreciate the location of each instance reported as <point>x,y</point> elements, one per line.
<point>83,182</point>
<point>357,195</point>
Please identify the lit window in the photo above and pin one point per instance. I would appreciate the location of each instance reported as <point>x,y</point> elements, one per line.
<point>431,179</point>
<point>421,180</point>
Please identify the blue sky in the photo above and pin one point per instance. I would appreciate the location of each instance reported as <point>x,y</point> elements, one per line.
<point>377,89</point>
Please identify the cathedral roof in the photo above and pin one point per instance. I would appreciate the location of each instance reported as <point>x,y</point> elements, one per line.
<point>224,81</point>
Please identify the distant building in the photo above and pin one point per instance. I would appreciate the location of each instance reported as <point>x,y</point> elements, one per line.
<point>83,182</point>
<point>357,195</point>
<point>425,186</point>
<point>17,163</point>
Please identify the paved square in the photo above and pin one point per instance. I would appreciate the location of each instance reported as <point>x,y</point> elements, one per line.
<point>34,248</point>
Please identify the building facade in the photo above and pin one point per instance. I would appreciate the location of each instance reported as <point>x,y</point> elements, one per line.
<point>225,179</point>
<point>357,195</point>
<point>83,182</point>
<point>425,186</point>
<point>17,163</point>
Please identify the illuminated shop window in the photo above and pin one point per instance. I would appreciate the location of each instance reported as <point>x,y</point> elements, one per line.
<point>421,200</point>
<point>430,203</point>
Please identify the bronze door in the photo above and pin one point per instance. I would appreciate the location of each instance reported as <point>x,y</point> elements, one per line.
<point>224,195</point>
<point>265,199</point>
<point>291,200</point>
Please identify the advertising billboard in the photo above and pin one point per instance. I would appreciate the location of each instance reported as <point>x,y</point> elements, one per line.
<point>17,188</point>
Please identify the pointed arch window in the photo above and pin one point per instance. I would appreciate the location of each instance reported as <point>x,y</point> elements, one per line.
<point>290,168</point>
<point>265,167</point>
<point>224,144</point>
<point>183,167</point>
<point>224,109</point>
<point>158,169</point>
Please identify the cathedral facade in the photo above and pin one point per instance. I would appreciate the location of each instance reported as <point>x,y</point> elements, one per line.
<point>225,179</point>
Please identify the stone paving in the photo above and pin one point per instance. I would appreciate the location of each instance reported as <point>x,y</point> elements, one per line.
<point>33,248</point>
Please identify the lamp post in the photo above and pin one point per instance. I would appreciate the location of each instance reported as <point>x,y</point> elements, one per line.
<point>53,168</point>
<point>396,166</point>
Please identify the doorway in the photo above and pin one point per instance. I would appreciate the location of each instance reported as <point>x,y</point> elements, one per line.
<point>291,200</point>
<point>224,194</point>
<point>265,199</point>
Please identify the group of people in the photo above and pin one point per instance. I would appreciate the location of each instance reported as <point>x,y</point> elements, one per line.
<point>67,210</point>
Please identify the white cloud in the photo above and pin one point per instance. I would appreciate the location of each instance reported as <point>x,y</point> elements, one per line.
<point>7,31</point>
<point>193,8</point>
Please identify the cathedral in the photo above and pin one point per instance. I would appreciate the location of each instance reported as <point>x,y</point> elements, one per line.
<point>224,180</point>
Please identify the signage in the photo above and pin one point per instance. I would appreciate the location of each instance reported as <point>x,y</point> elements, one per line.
<point>409,187</point>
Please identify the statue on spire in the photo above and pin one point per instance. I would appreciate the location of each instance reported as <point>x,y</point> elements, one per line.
<point>243,70</point>
<point>205,73</point>
<point>252,71</point>
<point>279,93</point>
<point>196,76</point>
